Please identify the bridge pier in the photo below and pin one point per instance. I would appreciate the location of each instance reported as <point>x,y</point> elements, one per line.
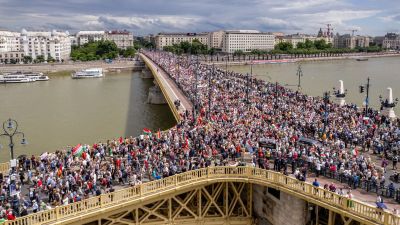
<point>156,97</point>
<point>273,207</point>
<point>146,73</point>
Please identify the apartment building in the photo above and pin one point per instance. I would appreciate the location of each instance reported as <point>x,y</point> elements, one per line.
<point>247,40</point>
<point>168,39</point>
<point>123,39</point>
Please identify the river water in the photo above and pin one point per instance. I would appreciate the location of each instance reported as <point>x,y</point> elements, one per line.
<point>320,76</point>
<point>64,112</point>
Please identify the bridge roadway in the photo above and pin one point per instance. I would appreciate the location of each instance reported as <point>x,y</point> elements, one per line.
<point>213,195</point>
<point>169,88</point>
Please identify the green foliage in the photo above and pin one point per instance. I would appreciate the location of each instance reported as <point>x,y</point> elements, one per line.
<point>238,52</point>
<point>284,46</point>
<point>39,59</point>
<point>196,47</point>
<point>95,51</point>
<point>50,58</point>
<point>27,59</point>
<point>128,52</point>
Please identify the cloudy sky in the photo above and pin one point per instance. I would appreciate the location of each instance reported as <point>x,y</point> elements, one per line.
<point>374,17</point>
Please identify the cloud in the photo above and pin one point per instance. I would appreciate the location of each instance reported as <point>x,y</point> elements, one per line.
<point>153,16</point>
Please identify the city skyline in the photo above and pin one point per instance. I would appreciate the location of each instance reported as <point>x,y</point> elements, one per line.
<point>369,17</point>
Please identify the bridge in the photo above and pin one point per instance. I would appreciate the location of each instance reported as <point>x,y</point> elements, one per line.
<point>213,195</point>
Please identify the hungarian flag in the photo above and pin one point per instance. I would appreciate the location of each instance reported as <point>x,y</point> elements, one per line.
<point>77,150</point>
<point>158,134</point>
<point>354,152</point>
<point>146,131</point>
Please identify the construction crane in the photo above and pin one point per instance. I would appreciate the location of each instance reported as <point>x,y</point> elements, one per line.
<point>352,31</point>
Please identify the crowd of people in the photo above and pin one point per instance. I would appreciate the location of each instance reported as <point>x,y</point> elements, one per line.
<point>233,113</point>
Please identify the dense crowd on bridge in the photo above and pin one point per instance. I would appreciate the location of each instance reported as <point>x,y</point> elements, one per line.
<point>234,113</point>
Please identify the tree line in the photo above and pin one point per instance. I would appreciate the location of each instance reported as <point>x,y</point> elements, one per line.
<point>100,50</point>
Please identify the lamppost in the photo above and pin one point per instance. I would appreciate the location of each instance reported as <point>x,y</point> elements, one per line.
<point>366,97</point>
<point>10,128</point>
<point>326,101</point>
<point>299,75</point>
<point>388,104</point>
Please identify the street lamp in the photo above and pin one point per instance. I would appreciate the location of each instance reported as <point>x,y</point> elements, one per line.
<point>299,74</point>
<point>10,128</point>
<point>386,103</point>
<point>326,101</point>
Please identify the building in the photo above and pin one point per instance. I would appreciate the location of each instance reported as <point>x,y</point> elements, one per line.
<point>247,40</point>
<point>168,39</point>
<point>9,41</point>
<point>391,41</point>
<point>11,57</point>
<point>215,39</point>
<point>123,39</point>
<point>56,45</point>
<point>84,37</point>
<point>294,39</point>
<point>350,41</point>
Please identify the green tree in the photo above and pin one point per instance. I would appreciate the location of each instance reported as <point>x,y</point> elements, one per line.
<point>39,59</point>
<point>27,59</point>
<point>238,53</point>
<point>284,46</point>
<point>129,52</point>
<point>309,44</point>
<point>301,45</point>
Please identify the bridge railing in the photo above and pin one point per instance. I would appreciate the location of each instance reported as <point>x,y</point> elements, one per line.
<point>161,85</point>
<point>213,174</point>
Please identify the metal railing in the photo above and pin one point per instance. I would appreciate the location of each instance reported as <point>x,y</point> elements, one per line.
<point>161,85</point>
<point>194,178</point>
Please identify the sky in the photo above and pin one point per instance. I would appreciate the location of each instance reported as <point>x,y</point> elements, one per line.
<point>142,17</point>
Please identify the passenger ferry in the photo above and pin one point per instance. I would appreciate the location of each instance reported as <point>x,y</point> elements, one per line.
<point>88,73</point>
<point>10,78</point>
<point>37,76</point>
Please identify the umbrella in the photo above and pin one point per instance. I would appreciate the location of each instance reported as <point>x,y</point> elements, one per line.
<point>381,205</point>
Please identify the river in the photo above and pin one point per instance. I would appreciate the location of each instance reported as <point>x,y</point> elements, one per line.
<point>320,76</point>
<point>64,112</point>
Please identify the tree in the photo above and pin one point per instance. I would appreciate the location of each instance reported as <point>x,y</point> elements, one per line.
<point>321,44</point>
<point>129,52</point>
<point>284,46</point>
<point>27,59</point>
<point>238,53</point>
<point>39,59</point>
<point>50,58</point>
<point>309,44</point>
<point>301,45</point>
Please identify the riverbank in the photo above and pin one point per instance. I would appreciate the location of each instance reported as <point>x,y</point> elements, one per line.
<point>301,59</point>
<point>115,66</point>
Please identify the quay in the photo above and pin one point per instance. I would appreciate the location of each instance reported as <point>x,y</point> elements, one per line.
<point>115,66</point>
<point>214,195</point>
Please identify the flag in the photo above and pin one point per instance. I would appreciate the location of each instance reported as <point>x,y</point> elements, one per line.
<point>158,134</point>
<point>146,131</point>
<point>78,150</point>
<point>354,152</point>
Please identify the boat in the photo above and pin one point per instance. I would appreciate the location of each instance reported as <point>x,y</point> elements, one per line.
<point>362,59</point>
<point>12,78</point>
<point>37,76</point>
<point>88,73</point>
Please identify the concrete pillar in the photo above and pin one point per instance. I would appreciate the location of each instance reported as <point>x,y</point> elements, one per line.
<point>146,73</point>
<point>340,97</point>
<point>270,210</point>
<point>156,97</point>
<point>388,108</point>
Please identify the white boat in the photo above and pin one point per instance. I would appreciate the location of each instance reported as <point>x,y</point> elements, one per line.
<point>88,73</point>
<point>10,78</point>
<point>37,76</point>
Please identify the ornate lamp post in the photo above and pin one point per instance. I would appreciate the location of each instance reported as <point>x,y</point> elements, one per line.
<point>388,104</point>
<point>10,128</point>
<point>340,94</point>
<point>299,75</point>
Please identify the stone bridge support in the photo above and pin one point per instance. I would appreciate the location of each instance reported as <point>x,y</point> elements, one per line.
<point>146,73</point>
<point>156,96</point>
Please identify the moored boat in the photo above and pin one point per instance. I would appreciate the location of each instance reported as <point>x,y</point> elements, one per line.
<point>88,73</point>
<point>10,78</point>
